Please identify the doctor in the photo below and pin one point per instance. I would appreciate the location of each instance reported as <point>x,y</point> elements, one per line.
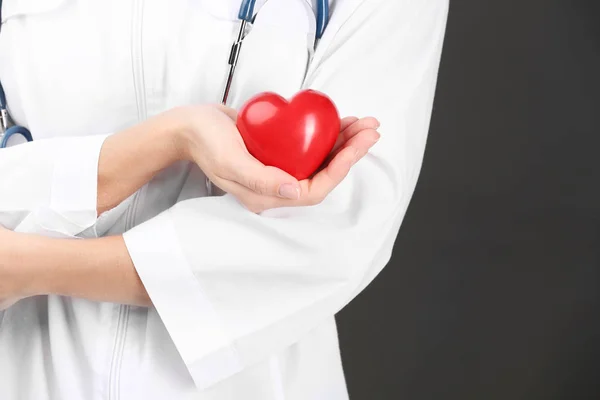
<point>169,293</point>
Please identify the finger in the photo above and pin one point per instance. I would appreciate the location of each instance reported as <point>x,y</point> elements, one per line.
<point>316,189</point>
<point>337,169</point>
<point>362,141</point>
<point>253,201</point>
<point>346,135</point>
<point>360,125</point>
<point>263,180</point>
<point>352,129</point>
<point>346,122</point>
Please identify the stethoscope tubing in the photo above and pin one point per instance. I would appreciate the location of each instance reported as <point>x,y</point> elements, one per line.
<point>7,132</point>
<point>13,131</point>
<point>246,13</point>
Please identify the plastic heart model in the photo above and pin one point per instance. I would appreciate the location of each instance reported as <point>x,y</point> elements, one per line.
<point>295,136</point>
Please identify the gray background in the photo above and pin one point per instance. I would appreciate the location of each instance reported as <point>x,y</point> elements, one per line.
<point>493,289</point>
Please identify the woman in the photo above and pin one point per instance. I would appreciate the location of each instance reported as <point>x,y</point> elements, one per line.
<point>170,293</point>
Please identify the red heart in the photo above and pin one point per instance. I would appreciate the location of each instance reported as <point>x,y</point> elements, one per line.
<point>295,136</point>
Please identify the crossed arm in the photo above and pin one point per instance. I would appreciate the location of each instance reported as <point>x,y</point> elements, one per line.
<point>102,269</point>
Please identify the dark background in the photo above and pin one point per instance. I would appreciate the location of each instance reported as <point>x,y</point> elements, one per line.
<point>493,291</point>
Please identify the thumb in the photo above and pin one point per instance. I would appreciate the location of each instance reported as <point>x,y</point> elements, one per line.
<point>265,180</point>
<point>230,112</point>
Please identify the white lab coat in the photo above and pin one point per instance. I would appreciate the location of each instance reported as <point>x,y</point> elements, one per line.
<point>244,304</point>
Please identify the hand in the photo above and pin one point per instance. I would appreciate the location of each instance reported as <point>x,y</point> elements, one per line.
<point>213,142</point>
<point>357,136</point>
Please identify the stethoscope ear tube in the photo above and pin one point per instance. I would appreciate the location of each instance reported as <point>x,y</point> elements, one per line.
<point>246,12</point>
<point>322,17</point>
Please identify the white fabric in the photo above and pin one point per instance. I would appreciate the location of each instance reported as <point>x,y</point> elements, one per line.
<point>244,304</point>
<point>47,187</point>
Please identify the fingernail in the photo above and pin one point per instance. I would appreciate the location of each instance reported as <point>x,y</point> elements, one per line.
<point>289,191</point>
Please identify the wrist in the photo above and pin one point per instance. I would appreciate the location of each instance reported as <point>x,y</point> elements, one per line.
<point>44,265</point>
<point>131,158</point>
<point>15,253</point>
<point>182,127</point>
<point>169,134</point>
<point>93,269</point>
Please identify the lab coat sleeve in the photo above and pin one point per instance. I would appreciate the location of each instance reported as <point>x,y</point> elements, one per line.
<point>49,186</point>
<point>233,288</point>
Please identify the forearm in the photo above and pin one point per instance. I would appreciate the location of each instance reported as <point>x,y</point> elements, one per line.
<point>94,269</point>
<point>129,159</point>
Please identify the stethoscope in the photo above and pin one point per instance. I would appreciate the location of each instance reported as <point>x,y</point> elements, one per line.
<point>245,15</point>
<point>7,129</point>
